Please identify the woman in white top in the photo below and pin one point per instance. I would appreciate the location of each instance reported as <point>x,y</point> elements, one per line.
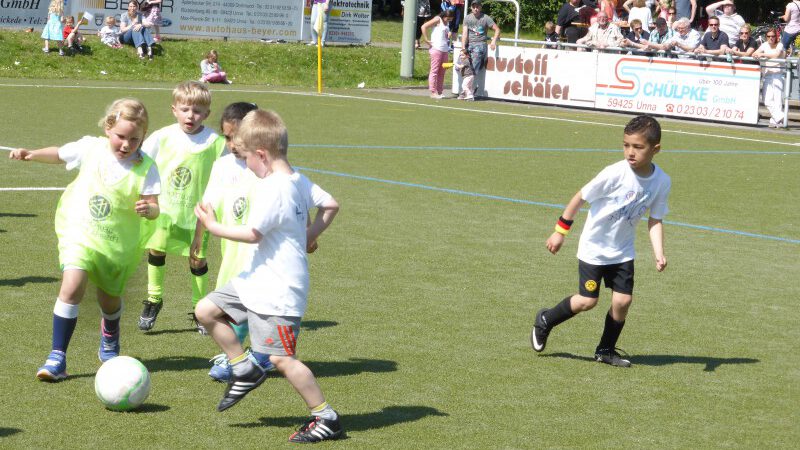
<point>792,18</point>
<point>773,77</point>
<point>439,44</point>
<point>639,11</point>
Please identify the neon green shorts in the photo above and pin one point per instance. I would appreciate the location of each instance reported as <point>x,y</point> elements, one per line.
<point>108,274</point>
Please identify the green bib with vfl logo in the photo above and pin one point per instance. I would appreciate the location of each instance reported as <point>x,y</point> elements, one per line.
<point>99,216</point>
<point>234,209</point>
<point>184,177</point>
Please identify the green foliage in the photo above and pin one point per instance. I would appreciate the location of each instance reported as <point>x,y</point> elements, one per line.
<point>246,62</point>
<point>533,14</point>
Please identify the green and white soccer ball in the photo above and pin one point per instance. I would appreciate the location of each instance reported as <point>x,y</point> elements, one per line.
<point>122,383</point>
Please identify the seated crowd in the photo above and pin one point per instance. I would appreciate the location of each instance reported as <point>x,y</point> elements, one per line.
<point>592,25</point>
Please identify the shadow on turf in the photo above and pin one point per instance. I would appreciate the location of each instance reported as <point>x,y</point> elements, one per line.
<point>5,432</point>
<point>391,415</point>
<point>19,282</point>
<point>312,325</point>
<point>164,364</point>
<point>354,366</point>
<point>2,214</point>
<point>709,362</point>
<point>148,408</point>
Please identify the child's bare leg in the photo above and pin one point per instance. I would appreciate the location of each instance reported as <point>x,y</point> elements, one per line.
<point>216,323</point>
<point>580,303</point>
<point>301,378</point>
<point>620,304</point>
<point>73,286</point>
<point>65,318</point>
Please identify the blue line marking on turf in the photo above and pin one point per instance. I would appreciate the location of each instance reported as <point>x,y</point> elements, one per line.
<point>533,149</point>
<point>531,202</point>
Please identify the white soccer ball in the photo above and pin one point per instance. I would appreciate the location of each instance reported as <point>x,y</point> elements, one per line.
<point>122,383</point>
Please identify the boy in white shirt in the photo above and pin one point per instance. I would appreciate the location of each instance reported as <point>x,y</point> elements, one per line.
<point>619,196</point>
<point>271,293</point>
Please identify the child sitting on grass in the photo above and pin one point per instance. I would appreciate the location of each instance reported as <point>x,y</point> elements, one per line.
<point>210,70</point>
<point>109,34</point>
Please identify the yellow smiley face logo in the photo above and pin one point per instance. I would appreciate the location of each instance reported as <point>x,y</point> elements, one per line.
<point>590,285</point>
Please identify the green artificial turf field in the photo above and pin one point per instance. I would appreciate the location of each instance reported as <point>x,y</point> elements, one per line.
<point>424,288</point>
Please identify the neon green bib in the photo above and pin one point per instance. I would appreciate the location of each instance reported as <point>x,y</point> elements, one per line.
<point>234,209</point>
<point>184,177</point>
<point>102,217</point>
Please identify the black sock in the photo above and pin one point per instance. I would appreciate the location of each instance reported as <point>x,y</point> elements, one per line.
<point>611,333</point>
<point>559,313</point>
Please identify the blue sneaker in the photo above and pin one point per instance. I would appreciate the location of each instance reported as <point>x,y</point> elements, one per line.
<point>221,370</point>
<point>55,368</point>
<point>109,344</point>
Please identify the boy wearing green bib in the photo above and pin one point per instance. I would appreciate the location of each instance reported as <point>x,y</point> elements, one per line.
<point>184,153</point>
<point>99,224</point>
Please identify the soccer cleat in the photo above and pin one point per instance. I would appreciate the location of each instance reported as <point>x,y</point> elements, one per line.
<point>540,331</point>
<point>109,344</point>
<point>611,357</point>
<point>317,429</point>
<point>200,328</point>
<point>238,387</point>
<point>55,368</point>
<point>151,308</point>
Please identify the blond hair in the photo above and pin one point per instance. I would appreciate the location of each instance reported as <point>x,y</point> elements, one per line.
<point>263,130</point>
<point>56,6</point>
<point>128,109</point>
<point>212,53</point>
<point>639,3</point>
<point>192,93</point>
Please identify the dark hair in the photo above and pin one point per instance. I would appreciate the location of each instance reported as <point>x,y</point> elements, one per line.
<point>235,112</point>
<point>646,126</point>
<point>448,12</point>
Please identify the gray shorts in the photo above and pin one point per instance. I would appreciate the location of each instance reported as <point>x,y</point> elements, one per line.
<point>274,335</point>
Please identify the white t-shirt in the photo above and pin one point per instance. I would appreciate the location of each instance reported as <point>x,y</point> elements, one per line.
<point>643,14</point>
<point>771,67</point>
<point>730,25</point>
<point>619,199</point>
<point>113,169</point>
<point>194,143</point>
<point>439,36</point>
<point>275,281</point>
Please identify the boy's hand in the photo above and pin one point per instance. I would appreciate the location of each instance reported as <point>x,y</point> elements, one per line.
<point>661,263</point>
<point>554,242</point>
<point>21,154</point>
<point>312,246</point>
<point>205,214</point>
<point>142,208</point>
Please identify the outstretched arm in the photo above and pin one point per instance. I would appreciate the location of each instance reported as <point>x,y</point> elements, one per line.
<point>239,233</point>
<point>656,229</point>
<point>47,155</point>
<point>556,239</point>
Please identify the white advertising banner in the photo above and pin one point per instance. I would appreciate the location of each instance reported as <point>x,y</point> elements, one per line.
<point>23,14</point>
<point>350,21</point>
<point>539,76</point>
<point>706,90</point>
<point>235,19</point>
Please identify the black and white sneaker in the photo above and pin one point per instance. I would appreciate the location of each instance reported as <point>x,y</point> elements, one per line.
<point>238,387</point>
<point>540,331</point>
<point>317,429</point>
<point>152,306</point>
<point>611,357</point>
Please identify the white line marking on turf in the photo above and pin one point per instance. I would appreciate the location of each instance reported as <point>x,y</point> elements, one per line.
<point>32,189</point>
<point>404,102</point>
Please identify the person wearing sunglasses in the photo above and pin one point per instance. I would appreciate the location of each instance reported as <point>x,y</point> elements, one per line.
<point>714,41</point>
<point>729,21</point>
<point>745,44</point>
<point>773,77</point>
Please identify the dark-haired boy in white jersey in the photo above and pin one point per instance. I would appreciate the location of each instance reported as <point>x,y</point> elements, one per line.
<point>619,196</point>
